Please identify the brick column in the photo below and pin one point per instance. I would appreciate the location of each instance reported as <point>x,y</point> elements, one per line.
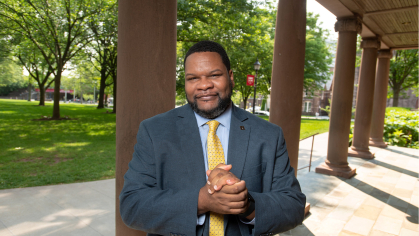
<point>380,99</point>
<point>365,99</point>
<point>341,107</point>
<point>146,77</point>
<point>288,73</point>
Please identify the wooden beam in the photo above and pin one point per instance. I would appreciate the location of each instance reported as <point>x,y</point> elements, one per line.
<point>371,13</point>
<point>401,33</point>
<point>405,47</point>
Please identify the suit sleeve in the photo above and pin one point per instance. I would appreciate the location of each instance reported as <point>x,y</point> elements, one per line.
<point>281,208</point>
<point>144,206</point>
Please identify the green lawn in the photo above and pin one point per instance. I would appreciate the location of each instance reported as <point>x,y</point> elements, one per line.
<point>310,126</point>
<point>397,109</point>
<point>35,153</point>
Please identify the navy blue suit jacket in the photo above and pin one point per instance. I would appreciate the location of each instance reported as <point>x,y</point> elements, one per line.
<point>161,188</point>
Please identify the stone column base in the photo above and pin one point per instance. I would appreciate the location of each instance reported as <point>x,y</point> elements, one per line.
<point>345,172</point>
<point>365,154</point>
<point>377,143</point>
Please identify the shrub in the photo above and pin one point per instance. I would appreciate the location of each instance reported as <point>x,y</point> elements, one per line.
<point>401,128</point>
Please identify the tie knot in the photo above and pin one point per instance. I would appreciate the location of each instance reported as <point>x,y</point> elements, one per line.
<point>213,125</point>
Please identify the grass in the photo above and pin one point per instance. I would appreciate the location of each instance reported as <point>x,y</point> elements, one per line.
<point>310,126</point>
<point>36,153</point>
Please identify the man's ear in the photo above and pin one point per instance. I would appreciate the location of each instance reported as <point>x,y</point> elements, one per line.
<point>230,74</point>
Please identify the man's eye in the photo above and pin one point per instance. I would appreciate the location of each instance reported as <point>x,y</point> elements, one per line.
<point>192,78</point>
<point>215,75</point>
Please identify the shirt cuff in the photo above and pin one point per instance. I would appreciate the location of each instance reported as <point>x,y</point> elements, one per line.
<point>200,220</point>
<point>252,222</point>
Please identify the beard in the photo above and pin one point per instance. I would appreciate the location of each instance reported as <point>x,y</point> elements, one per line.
<point>222,105</point>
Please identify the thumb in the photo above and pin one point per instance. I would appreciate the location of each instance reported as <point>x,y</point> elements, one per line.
<point>225,167</point>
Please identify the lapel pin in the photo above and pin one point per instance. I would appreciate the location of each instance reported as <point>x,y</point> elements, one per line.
<point>242,128</point>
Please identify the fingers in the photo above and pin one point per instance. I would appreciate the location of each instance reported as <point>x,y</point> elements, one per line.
<point>230,203</point>
<point>221,166</point>
<point>235,188</point>
<point>220,177</point>
<point>231,199</point>
<point>224,167</point>
<point>227,179</point>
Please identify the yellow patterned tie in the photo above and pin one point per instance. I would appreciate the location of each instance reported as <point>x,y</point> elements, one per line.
<point>215,156</point>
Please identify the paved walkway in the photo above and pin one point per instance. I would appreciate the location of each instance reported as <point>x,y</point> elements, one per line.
<point>382,199</point>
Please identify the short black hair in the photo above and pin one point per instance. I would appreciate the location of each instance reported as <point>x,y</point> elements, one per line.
<point>209,46</point>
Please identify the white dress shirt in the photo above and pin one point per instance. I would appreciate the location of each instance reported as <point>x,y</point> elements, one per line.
<point>223,132</point>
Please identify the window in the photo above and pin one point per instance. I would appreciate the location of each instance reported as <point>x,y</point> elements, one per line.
<point>307,107</point>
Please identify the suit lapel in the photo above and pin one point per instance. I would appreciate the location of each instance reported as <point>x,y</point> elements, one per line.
<point>238,141</point>
<point>193,158</point>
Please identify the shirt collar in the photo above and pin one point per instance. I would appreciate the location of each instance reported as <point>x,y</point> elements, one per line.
<point>224,118</point>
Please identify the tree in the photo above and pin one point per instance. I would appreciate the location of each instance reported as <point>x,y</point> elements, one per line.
<point>56,28</point>
<point>82,80</point>
<point>317,55</point>
<point>35,64</point>
<point>104,30</point>
<point>403,72</point>
<point>11,74</point>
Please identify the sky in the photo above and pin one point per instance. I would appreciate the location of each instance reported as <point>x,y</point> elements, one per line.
<point>326,17</point>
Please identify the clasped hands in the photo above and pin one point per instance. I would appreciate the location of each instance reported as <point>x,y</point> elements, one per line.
<point>224,193</point>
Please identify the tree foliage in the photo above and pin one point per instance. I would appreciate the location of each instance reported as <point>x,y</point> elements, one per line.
<point>103,48</point>
<point>318,56</point>
<point>83,80</point>
<point>38,68</point>
<point>242,27</point>
<point>246,29</point>
<point>11,74</point>
<point>403,72</point>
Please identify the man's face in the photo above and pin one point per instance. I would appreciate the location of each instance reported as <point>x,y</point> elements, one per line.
<point>208,84</point>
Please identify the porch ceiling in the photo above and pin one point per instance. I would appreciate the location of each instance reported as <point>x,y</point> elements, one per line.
<point>395,22</point>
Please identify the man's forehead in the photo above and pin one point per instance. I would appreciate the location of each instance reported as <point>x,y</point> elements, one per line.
<point>203,57</point>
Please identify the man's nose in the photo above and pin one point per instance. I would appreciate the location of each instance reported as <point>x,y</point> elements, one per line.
<point>205,83</point>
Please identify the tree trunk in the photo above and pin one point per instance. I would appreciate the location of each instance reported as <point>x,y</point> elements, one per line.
<point>41,95</point>
<point>29,90</point>
<point>57,85</point>
<point>396,94</point>
<point>102,87</point>
<point>81,96</point>
<point>114,94</point>
<point>244,103</point>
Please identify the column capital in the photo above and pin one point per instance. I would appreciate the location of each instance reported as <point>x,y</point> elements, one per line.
<point>349,24</point>
<point>370,43</point>
<point>387,53</point>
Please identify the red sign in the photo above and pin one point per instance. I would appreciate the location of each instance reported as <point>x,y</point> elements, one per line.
<point>250,80</point>
<point>52,90</point>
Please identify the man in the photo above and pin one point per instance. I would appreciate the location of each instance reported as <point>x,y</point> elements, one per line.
<point>210,168</point>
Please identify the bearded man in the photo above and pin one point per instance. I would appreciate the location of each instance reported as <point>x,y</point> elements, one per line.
<point>208,167</point>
